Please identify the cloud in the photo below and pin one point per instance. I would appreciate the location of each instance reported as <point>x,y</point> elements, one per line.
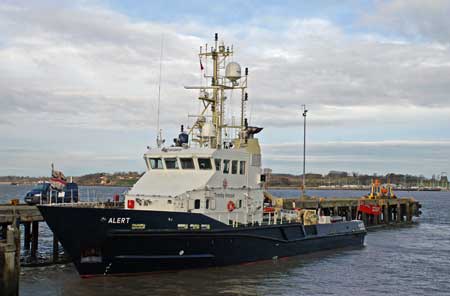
<point>101,60</point>
<point>82,66</point>
<point>424,20</point>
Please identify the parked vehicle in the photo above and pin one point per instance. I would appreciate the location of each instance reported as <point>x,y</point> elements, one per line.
<point>43,193</point>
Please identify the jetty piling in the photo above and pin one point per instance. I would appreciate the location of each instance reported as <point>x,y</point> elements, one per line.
<point>10,260</point>
<point>34,238</point>
<point>29,217</point>
<point>26,236</point>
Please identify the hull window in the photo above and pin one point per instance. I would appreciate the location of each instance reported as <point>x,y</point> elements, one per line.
<point>234,165</point>
<point>242,167</point>
<point>212,204</point>
<point>171,163</point>
<point>204,163</point>
<point>156,163</point>
<point>187,163</point>
<point>217,163</point>
<point>226,166</point>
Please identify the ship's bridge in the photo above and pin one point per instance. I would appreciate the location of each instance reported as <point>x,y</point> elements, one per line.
<point>173,171</point>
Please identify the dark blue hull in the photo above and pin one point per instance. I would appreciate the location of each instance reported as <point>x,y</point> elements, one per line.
<point>118,241</point>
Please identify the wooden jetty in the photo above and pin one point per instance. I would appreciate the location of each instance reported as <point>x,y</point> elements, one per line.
<point>391,210</point>
<point>29,217</point>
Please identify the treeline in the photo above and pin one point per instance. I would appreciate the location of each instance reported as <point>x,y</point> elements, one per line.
<point>333,178</point>
<point>339,178</point>
<point>114,179</point>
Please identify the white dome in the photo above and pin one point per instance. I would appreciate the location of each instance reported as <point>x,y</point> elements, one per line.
<point>233,71</point>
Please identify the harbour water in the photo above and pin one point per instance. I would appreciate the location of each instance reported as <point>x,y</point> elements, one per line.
<point>405,260</point>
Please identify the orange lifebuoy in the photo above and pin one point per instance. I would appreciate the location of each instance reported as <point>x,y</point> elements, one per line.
<point>231,206</point>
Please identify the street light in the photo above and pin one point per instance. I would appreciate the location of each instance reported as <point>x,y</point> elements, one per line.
<point>304,148</point>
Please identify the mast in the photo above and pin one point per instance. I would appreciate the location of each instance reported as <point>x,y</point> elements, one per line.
<point>159,140</point>
<point>225,76</point>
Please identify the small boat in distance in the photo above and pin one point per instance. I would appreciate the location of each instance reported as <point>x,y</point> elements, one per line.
<point>200,202</point>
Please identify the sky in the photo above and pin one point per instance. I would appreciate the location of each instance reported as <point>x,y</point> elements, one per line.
<point>79,81</point>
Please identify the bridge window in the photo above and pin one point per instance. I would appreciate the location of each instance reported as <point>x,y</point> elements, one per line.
<point>187,163</point>
<point>226,166</point>
<point>156,163</point>
<point>171,163</point>
<point>197,204</point>
<point>242,167</point>
<point>217,163</point>
<point>204,163</point>
<point>234,165</point>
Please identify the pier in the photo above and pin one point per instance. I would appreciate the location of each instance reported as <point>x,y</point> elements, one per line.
<point>391,211</point>
<point>29,217</point>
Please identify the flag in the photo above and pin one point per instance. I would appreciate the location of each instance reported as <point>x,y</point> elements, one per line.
<point>201,65</point>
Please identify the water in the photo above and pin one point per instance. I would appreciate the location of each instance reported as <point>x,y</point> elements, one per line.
<point>408,260</point>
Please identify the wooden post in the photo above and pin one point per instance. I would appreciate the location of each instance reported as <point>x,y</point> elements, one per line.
<point>365,220</point>
<point>399,212</point>
<point>27,235</point>
<point>55,249</point>
<point>335,211</point>
<point>34,238</point>
<point>376,219</point>
<point>408,212</point>
<point>10,262</point>
<point>386,217</point>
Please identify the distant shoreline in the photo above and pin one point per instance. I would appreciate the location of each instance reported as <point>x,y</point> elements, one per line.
<point>268,187</point>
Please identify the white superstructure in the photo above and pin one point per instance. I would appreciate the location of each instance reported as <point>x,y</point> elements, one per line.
<point>203,171</point>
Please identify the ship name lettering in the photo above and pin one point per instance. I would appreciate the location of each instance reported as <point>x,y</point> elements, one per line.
<point>118,220</point>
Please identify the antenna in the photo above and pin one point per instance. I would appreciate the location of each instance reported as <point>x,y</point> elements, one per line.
<point>304,148</point>
<point>159,140</point>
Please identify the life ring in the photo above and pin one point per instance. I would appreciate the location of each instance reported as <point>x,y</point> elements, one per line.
<point>231,206</point>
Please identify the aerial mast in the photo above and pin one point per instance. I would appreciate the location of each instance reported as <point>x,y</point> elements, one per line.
<point>159,139</point>
<point>225,76</point>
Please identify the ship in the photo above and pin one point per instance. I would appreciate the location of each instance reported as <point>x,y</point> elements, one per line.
<point>200,202</point>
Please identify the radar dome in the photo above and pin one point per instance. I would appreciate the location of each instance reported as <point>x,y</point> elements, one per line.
<point>233,71</point>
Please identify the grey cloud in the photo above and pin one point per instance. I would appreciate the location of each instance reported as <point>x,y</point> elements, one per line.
<point>93,61</point>
<point>424,20</point>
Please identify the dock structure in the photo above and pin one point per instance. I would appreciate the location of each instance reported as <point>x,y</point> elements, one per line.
<point>390,210</point>
<point>29,217</point>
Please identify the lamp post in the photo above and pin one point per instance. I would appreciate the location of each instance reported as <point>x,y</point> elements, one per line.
<point>304,148</point>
